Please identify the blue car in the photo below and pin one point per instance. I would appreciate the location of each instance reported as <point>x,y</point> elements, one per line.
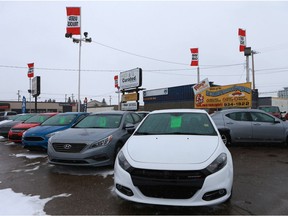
<point>37,138</point>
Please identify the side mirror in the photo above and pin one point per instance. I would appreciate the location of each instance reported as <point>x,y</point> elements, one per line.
<point>129,127</point>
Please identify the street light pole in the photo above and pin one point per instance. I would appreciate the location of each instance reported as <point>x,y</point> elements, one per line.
<point>79,40</point>
<point>79,76</point>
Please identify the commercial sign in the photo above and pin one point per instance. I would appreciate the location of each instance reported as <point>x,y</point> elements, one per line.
<point>73,21</point>
<point>130,97</point>
<point>155,92</point>
<point>130,106</point>
<point>199,87</point>
<point>237,95</point>
<point>131,79</point>
<point>23,104</point>
<point>30,73</point>
<point>195,57</point>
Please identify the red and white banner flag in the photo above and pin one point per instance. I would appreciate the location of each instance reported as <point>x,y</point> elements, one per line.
<point>73,21</point>
<point>116,81</point>
<point>30,73</point>
<point>242,38</point>
<point>195,57</point>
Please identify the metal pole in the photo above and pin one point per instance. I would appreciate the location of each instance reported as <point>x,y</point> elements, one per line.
<point>198,74</point>
<point>79,75</point>
<point>30,93</point>
<point>253,72</point>
<point>247,68</point>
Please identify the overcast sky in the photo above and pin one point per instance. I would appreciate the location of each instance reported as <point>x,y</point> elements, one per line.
<point>153,35</point>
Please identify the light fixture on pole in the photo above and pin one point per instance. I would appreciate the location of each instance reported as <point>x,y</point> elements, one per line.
<point>79,40</point>
<point>74,28</point>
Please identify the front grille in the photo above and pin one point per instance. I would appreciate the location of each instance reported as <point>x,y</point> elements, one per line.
<point>69,161</point>
<point>68,147</point>
<point>17,130</point>
<point>168,184</point>
<point>33,139</point>
<point>15,137</point>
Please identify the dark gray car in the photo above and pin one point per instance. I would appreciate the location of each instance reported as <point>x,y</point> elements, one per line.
<point>94,141</point>
<point>250,125</point>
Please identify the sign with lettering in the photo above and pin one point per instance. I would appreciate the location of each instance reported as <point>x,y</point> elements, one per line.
<point>73,20</point>
<point>130,106</point>
<point>237,95</point>
<point>130,79</point>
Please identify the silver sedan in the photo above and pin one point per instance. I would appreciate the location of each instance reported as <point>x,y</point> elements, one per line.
<point>94,141</point>
<point>249,126</point>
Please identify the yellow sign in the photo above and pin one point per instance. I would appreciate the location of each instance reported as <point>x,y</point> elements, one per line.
<point>237,95</point>
<point>130,97</point>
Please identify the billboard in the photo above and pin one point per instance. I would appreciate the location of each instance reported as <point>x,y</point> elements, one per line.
<point>36,86</point>
<point>131,79</point>
<point>229,96</point>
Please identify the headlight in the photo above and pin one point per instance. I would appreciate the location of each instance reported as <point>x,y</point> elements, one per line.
<point>123,162</point>
<point>218,163</point>
<point>101,142</point>
<point>50,134</point>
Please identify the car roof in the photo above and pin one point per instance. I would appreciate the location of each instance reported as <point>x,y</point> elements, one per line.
<point>239,110</point>
<point>178,111</point>
<point>111,112</point>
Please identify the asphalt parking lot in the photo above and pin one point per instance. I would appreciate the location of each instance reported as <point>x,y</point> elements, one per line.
<point>260,184</point>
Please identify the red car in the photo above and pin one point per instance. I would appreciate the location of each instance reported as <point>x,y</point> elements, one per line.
<point>16,132</point>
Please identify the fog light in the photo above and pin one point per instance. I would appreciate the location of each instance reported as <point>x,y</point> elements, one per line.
<point>214,194</point>
<point>124,190</point>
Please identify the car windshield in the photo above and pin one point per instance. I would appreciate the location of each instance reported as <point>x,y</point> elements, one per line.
<point>23,117</point>
<point>12,117</point>
<point>59,120</point>
<point>177,123</point>
<point>270,109</point>
<point>37,119</point>
<point>100,121</point>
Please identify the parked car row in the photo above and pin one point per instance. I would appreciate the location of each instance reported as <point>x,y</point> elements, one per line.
<point>171,157</point>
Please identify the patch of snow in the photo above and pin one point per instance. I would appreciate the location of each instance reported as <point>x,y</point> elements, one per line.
<point>25,204</point>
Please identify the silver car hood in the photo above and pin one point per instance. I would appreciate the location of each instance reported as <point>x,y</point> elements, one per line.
<point>82,135</point>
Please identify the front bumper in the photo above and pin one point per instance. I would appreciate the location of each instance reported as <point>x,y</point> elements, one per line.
<point>216,188</point>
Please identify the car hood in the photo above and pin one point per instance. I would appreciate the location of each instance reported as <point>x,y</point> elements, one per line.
<point>171,149</point>
<point>26,125</point>
<point>86,135</point>
<point>43,130</point>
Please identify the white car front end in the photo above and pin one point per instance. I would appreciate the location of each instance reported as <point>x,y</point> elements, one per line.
<point>178,170</point>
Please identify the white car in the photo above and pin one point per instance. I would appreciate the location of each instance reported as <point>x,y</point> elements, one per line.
<point>175,157</point>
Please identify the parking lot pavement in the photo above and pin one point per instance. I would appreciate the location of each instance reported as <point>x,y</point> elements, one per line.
<point>260,184</point>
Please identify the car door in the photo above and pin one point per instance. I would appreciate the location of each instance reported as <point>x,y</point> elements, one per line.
<point>240,126</point>
<point>265,128</point>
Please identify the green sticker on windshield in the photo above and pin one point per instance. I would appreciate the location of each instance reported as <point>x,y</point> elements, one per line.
<point>176,121</point>
<point>102,122</point>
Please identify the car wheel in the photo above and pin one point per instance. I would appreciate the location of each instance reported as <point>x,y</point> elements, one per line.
<point>117,149</point>
<point>226,138</point>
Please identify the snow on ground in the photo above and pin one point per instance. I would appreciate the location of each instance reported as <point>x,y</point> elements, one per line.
<point>26,204</point>
<point>30,155</point>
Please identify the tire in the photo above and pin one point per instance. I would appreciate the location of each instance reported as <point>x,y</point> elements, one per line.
<point>226,138</point>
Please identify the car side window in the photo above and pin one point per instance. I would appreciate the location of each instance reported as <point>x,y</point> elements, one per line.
<point>261,117</point>
<point>238,116</point>
<point>136,117</point>
<point>129,119</point>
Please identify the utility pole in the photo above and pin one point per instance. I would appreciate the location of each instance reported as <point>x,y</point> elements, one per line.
<point>19,96</point>
<point>253,70</point>
<point>247,53</point>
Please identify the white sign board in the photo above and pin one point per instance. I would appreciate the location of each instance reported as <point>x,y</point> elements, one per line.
<point>130,79</point>
<point>199,87</point>
<point>155,92</point>
<point>129,106</point>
